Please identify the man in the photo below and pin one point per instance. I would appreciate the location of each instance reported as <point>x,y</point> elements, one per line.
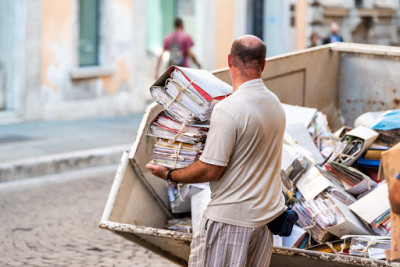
<point>241,160</point>
<point>179,44</point>
<point>334,34</point>
<point>394,195</point>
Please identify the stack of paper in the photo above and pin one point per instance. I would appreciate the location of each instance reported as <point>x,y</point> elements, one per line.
<point>307,222</point>
<point>372,246</point>
<point>324,211</point>
<point>352,180</point>
<point>325,214</point>
<point>166,127</point>
<point>374,209</point>
<point>175,155</point>
<point>183,225</point>
<point>343,195</point>
<point>189,95</point>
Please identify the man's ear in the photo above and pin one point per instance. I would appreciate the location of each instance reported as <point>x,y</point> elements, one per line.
<point>265,62</point>
<point>229,61</point>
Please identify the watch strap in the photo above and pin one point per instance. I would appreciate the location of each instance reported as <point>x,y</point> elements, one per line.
<point>169,178</point>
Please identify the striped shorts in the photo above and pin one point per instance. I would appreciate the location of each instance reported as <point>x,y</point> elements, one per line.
<point>218,244</point>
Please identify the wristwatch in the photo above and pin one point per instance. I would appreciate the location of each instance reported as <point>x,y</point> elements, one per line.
<point>169,178</point>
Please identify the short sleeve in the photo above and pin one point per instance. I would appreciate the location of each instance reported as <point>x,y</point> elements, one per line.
<point>221,139</point>
<point>167,43</point>
<point>189,42</point>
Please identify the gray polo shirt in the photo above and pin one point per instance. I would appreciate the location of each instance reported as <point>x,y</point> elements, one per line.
<point>246,136</point>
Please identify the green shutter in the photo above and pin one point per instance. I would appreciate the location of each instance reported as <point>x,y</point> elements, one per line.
<point>88,32</point>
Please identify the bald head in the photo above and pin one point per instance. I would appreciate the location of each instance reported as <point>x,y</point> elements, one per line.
<point>248,53</point>
<point>334,27</point>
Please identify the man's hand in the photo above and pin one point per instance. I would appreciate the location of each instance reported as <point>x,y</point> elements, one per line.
<point>158,170</point>
<point>197,172</point>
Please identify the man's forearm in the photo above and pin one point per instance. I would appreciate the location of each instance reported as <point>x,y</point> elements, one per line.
<point>198,172</point>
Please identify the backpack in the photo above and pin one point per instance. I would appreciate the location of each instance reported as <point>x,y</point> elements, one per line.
<point>175,54</point>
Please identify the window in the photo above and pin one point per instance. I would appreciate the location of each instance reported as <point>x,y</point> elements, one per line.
<point>89,32</point>
<point>255,14</point>
<point>359,3</point>
<point>160,16</point>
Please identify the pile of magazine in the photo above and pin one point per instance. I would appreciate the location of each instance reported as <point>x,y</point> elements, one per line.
<point>331,180</point>
<point>188,97</point>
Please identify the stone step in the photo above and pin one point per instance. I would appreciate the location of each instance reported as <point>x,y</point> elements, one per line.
<point>60,163</point>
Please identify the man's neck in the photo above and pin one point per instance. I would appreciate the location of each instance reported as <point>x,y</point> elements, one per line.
<point>238,78</point>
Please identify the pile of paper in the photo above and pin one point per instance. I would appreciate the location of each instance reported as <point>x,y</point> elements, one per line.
<point>336,186</point>
<point>183,225</point>
<point>177,145</point>
<point>369,246</point>
<point>168,128</point>
<point>307,222</point>
<point>189,95</point>
<point>175,155</point>
<point>352,180</point>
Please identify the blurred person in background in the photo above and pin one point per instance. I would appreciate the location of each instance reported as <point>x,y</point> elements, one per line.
<point>314,40</point>
<point>179,44</point>
<point>333,35</point>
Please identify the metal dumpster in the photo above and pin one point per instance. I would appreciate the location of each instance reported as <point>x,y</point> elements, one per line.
<point>342,80</point>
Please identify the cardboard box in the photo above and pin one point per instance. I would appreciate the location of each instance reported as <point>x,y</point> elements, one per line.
<point>389,168</point>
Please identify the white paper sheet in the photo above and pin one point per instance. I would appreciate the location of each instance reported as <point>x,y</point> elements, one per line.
<point>372,205</point>
<point>298,114</point>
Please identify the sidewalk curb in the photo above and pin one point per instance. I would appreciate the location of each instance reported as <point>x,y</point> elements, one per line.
<point>60,163</point>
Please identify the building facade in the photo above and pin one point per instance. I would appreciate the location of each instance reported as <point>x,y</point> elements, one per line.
<point>71,59</point>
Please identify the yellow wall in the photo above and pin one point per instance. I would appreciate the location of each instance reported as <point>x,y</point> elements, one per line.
<point>224,31</point>
<point>57,37</point>
<point>111,85</point>
<point>301,23</point>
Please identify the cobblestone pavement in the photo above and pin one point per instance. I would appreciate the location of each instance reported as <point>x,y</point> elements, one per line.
<point>54,221</point>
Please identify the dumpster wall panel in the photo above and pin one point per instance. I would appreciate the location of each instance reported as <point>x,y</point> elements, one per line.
<point>168,248</point>
<point>283,85</point>
<point>142,150</point>
<point>289,257</point>
<point>319,86</point>
<point>368,83</point>
<point>134,204</point>
<point>178,248</point>
<point>308,78</point>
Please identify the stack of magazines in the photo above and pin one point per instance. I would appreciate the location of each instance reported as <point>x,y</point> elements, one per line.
<point>307,221</point>
<point>168,128</point>
<point>188,97</point>
<point>175,155</point>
